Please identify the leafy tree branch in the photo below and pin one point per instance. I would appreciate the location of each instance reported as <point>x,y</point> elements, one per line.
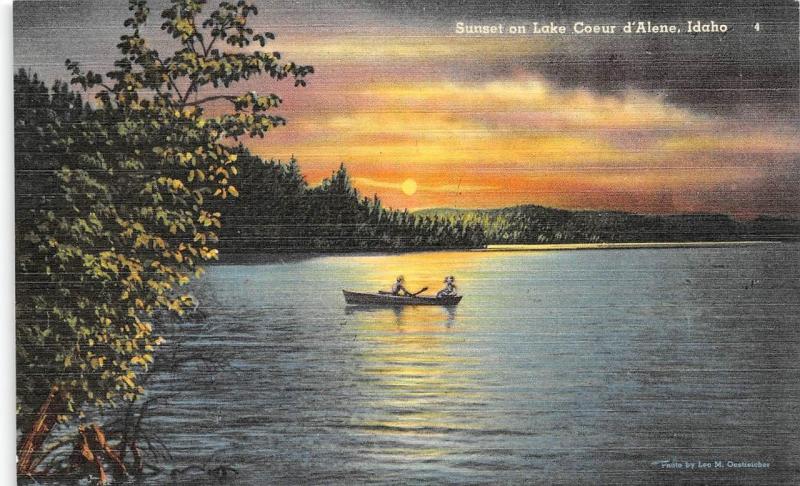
<point>123,219</point>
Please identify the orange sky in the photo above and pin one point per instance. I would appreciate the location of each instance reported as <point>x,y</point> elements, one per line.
<point>380,106</point>
<point>502,120</point>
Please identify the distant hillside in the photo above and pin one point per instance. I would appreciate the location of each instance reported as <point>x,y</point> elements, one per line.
<point>538,224</point>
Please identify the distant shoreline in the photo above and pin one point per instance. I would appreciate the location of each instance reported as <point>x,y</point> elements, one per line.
<point>270,257</point>
<point>622,246</point>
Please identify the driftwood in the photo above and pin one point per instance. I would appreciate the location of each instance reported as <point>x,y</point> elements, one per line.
<point>90,448</point>
<point>138,463</point>
<point>31,444</point>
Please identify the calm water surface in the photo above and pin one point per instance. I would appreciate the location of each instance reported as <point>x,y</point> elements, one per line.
<point>574,367</point>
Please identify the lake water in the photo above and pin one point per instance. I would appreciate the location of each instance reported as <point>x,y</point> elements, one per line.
<point>574,367</point>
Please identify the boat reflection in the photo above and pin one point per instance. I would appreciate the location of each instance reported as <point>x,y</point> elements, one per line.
<point>399,311</point>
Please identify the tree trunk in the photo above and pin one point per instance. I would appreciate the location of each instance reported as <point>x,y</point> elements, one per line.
<point>138,464</point>
<point>100,443</point>
<point>85,454</point>
<point>89,450</point>
<point>43,423</point>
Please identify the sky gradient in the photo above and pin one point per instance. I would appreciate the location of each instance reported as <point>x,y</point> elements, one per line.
<point>648,123</point>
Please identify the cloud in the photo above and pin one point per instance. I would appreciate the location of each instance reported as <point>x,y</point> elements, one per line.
<point>696,123</point>
<point>400,46</point>
<point>739,141</point>
<point>531,102</point>
<point>526,140</point>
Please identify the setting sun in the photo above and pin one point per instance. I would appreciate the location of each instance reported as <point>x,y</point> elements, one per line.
<point>409,187</point>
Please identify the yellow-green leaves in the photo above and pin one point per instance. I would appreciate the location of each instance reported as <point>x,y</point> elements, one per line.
<point>184,27</point>
<point>130,221</point>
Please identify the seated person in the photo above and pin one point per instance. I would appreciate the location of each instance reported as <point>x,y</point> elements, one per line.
<point>449,289</point>
<point>398,288</point>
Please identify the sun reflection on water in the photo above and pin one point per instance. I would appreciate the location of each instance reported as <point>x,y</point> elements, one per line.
<point>414,377</point>
<point>420,373</point>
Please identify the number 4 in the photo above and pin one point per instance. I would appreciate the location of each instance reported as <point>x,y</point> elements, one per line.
<point>757,27</point>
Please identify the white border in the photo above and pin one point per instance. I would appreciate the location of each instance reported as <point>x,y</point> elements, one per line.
<point>8,432</point>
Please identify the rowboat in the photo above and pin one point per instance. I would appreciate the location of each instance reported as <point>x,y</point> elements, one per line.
<point>359,298</point>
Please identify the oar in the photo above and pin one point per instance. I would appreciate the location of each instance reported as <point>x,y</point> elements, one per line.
<point>421,290</point>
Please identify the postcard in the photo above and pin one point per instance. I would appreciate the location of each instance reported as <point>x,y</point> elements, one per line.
<point>420,242</point>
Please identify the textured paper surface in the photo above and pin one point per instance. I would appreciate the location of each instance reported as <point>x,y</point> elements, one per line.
<point>613,187</point>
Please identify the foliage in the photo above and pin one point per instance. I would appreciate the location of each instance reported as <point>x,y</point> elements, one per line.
<point>122,221</point>
<point>536,224</point>
<point>39,115</point>
<point>277,211</point>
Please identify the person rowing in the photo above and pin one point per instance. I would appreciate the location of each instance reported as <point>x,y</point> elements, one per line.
<point>398,288</point>
<point>449,289</point>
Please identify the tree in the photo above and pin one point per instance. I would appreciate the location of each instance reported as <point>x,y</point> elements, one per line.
<point>39,114</point>
<point>127,223</point>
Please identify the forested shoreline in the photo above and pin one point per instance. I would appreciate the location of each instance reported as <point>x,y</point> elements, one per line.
<point>532,224</point>
<point>278,211</point>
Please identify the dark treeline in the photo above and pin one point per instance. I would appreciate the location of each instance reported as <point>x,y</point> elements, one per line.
<point>531,224</point>
<point>277,211</point>
<point>39,112</point>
